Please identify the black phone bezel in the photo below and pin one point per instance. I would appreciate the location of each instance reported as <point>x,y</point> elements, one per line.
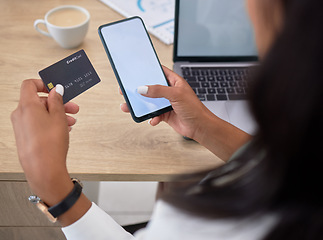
<point>134,117</point>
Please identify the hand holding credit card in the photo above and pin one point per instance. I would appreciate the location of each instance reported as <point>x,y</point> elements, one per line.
<point>75,73</point>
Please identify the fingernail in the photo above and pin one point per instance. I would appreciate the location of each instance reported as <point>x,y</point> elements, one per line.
<point>60,89</point>
<point>149,121</point>
<point>142,90</point>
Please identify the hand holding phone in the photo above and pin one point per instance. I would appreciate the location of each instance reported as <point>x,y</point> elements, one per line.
<point>135,63</point>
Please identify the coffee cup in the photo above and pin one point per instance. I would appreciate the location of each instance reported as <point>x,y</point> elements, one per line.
<point>67,24</point>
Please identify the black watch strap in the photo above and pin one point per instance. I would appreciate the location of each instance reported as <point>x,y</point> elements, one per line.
<point>68,202</point>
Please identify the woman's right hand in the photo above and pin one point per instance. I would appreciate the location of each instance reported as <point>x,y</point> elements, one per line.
<point>189,113</point>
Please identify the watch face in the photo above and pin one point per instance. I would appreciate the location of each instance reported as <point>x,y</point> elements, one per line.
<point>43,207</point>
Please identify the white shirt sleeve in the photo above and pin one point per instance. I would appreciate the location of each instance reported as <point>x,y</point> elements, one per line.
<point>171,223</point>
<point>96,224</point>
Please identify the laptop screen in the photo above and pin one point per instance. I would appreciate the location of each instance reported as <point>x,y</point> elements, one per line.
<point>213,30</point>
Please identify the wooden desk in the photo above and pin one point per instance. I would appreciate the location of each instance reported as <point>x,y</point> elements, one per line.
<point>105,144</point>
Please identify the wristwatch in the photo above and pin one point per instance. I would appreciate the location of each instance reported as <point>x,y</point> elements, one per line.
<point>55,211</point>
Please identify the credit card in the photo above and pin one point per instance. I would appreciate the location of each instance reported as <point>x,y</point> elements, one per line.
<point>74,72</point>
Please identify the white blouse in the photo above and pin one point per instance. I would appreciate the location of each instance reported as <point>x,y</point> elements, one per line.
<point>167,223</point>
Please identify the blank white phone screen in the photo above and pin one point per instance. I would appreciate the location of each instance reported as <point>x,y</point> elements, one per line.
<point>136,63</point>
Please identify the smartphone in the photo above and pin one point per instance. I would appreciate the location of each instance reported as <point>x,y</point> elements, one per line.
<point>135,63</point>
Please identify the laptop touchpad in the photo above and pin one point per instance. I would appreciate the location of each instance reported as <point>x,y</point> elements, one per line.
<point>240,116</point>
<point>218,108</point>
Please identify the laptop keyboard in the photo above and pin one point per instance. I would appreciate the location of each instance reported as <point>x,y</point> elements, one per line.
<point>218,83</point>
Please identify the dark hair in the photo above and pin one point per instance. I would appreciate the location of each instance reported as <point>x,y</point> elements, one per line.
<point>281,169</point>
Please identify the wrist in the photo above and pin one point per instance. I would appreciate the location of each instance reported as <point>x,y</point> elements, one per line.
<point>221,137</point>
<point>71,208</point>
<point>81,206</point>
<point>55,189</point>
<point>207,123</point>
<point>68,202</point>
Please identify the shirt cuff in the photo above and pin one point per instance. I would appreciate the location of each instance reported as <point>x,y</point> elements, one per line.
<point>96,224</point>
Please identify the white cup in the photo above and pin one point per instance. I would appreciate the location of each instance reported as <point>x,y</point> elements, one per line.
<point>67,24</point>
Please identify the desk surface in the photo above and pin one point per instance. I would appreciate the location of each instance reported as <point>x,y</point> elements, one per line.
<point>105,144</point>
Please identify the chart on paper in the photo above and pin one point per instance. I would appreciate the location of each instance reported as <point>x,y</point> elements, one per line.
<point>158,15</point>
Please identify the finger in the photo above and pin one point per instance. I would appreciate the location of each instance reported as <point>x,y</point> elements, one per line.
<point>43,100</point>
<point>155,121</point>
<point>166,70</point>
<point>71,108</point>
<point>171,76</point>
<point>124,107</point>
<point>70,120</point>
<point>120,91</point>
<point>55,101</point>
<point>29,90</point>
<point>157,91</point>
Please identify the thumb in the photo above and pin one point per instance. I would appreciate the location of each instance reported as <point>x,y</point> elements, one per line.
<point>55,100</point>
<point>157,91</point>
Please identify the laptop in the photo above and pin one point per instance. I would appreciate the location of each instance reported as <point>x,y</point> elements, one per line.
<point>215,51</point>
